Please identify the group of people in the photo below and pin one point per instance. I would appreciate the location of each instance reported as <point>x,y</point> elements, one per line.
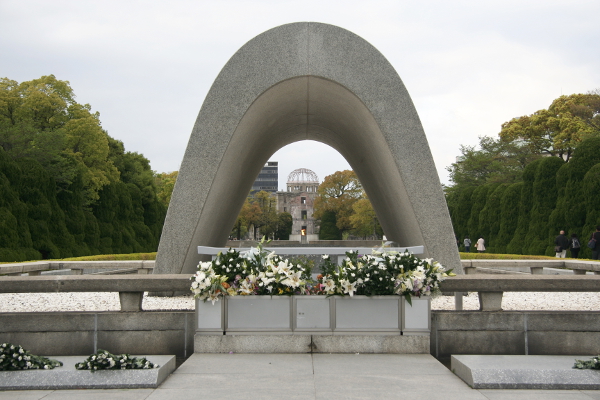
<point>562,244</point>
<point>479,245</point>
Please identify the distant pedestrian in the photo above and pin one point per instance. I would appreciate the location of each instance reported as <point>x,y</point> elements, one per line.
<point>480,245</point>
<point>467,243</point>
<point>596,248</point>
<point>575,246</point>
<point>561,245</point>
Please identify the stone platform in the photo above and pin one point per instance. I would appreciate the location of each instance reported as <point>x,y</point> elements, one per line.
<point>373,344</point>
<point>524,372</point>
<point>67,377</point>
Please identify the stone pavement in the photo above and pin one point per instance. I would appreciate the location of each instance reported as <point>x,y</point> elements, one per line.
<point>306,376</point>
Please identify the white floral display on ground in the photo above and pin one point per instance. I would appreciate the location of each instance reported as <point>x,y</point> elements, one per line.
<point>43,302</point>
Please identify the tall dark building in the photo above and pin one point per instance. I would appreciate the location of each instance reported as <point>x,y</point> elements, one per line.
<point>268,178</point>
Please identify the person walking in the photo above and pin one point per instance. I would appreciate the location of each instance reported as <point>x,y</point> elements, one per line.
<point>561,245</point>
<point>596,248</point>
<point>480,245</point>
<point>575,246</point>
<point>467,243</point>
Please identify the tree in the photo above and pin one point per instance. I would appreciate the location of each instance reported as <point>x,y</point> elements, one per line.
<point>66,187</point>
<point>165,183</point>
<point>267,221</point>
<point>284,226</point>
<point>558,130</point>
<point>328,229</point>
<point>41,120</point>
<point>497,161</point>
<point>337,194</point>
<point>364,220</point>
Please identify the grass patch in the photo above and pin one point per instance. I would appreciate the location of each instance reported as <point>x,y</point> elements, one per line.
<point>114,257</point>
<point>491,256</point>
<point>99,257</point>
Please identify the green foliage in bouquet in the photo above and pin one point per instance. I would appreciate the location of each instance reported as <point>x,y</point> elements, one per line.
<point>594,363</point>
<point>16,358</point>
<point>382,273</point>
<point>253,272</point>
<point>103,360</point>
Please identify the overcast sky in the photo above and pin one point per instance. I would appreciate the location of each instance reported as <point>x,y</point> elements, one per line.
<point>146,66</point>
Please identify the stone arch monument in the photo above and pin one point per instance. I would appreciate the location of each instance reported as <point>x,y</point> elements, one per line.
<point>306,81</point>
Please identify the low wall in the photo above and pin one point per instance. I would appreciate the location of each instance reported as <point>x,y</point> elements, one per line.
<point>515,333</point>
<point>172,332</point>
<point>82,333</point>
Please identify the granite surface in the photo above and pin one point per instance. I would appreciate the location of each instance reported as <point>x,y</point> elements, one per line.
<point>67,377</point>
<point>524,372</point>
<point>273,343</point>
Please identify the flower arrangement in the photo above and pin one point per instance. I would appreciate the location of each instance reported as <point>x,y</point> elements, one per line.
<point>594,363</point>
<point>15,358</point>
<point>259,272</point>
<point>382,273</point>
<point>103,360</point>
<point>254,272</point>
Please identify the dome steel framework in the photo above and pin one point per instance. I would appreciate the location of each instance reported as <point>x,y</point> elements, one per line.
<point>302,175</point>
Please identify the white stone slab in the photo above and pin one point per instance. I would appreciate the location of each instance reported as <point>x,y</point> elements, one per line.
<point>67,377</point>
<point>524,372</point>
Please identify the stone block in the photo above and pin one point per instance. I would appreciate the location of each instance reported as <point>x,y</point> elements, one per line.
<point>386,344</point>
<point>490,301</point>
<point>143,321</point>
<point>480,342</point>
<point>131,301</point>
<point>47,322</point>
<point>560,343</point>
<point>252,343</point>
<point>523,372</point>
<point>473,321</point>
<point>579,321</point>
<point>53,343</point>
<point>143,342</point>
<point>67,377</point>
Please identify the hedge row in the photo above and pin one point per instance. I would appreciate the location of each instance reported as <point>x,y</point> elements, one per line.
<point>525,217</point>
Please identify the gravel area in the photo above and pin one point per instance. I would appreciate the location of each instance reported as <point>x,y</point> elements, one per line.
<point>39,302</point>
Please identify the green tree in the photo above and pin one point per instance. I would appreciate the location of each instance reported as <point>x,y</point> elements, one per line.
<point>477,203</point>
<point>337,194</point>
<point>284,226</point>
<point>558,130</point>
<point>543,201</point>
<point>41,120</point>
<point>165,183</point>
<point>509,216</point>
<point>328,229</point>
<point>496,161</point>
<point>364,220</point>
<point>489,221</point>
<point>518,244</point>
<point>267,218</point>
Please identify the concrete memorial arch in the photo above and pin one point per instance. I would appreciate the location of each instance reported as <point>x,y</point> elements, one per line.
<point>306,81</point>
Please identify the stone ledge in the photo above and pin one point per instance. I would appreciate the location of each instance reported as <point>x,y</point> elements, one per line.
<point>524,372</point>
<point>376,344</point>
<point>67,377</point>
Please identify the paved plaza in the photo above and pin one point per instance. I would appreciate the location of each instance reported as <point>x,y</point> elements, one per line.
<point>305,376</point>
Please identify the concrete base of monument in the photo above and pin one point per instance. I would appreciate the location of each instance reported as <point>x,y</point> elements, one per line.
<point>524,372</point>
<point>67,377</point>
<point>376,344</point>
